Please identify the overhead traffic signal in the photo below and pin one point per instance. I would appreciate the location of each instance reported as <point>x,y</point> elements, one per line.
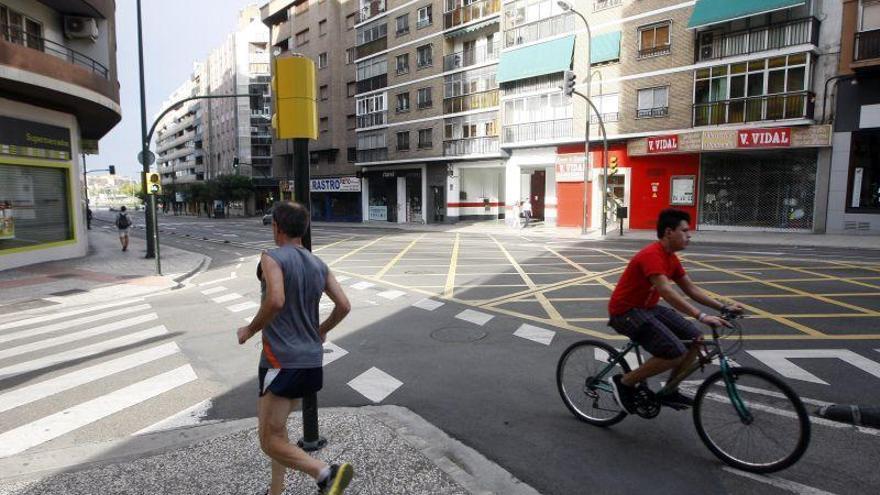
<point>112,169</point>
<point>154,183</point>
<point>294,102</point>
<point>569,81</point>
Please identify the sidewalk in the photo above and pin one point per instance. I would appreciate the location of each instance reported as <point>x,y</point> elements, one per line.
<point>393,451</point>
<point>104,273</point>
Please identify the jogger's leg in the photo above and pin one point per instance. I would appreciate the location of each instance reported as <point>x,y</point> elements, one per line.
<point>273,413</point>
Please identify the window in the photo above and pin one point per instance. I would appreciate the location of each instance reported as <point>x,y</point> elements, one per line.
<point>350,21</point>
<point>426,137</point>
<point>322,60</point>
<point>324,92</point>
<point>371,110</point>
<point>605,4</point>
<point>314,157</point>
<point>403,141</point>
<point>371,140</point>
<point>653,102</point>
<point>371,68</point>
<point>423,98</point>
<point>351,121</point>
<point>42,195</point>
<point>403,102</point>
<point>654,40</point>
<point>548,107</point>
<point>402,64</point>
<point>402,25</point>
<point>322,27</point>
<point>424,17</point>
<point>20,29</point>
<point>351,88</point>
<point>608,107</point>
<point>302,37</point>
<point>469,82</point>
<point>352,154</point>
<point>424,56</point>
<point>371,33</point>
<point>349,55</point>
<point>870,15</point>
<point>324,124</point>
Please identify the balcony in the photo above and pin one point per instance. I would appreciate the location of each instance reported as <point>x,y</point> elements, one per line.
<point>14,34</point>
<point>371,9</point>
<point>605,4</point>
<point>475,101</point>
<point>607,118</point>
<point>466,58</point>
<point>373,83</point>
<point>482,145</point>
<point>652,113</point>
<point>655,51</point>
<point>538,131</point>
<point>713,46</point>
<point>797,105</point>
<point>467,13</point>
<point>867,47</point>
<point>372,119</point>
<point>372,155</point>
<point>371,47</point>
<point>535,31</point>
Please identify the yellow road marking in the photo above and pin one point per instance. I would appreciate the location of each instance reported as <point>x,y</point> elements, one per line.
<point>400,255</point>
<point>542,299</point>
<point>355,251</point>
<point>449,290</point>
<point>332,244</point>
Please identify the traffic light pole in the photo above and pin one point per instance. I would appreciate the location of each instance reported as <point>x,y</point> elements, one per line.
<point>145,144</point>
<point>154,233</point>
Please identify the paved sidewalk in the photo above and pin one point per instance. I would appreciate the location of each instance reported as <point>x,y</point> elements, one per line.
<point>105,272</point>
<point>393,451</point>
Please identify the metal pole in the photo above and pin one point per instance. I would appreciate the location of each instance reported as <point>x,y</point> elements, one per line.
<point>155,233</point>
<point>149,214</point>
<point>587,125</point>
<point>86,192</point>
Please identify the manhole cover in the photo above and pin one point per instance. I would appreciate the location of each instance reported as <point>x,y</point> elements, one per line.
<point>458,335</point>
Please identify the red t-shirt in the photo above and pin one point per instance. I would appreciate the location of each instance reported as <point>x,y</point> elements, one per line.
<point>634,289</point>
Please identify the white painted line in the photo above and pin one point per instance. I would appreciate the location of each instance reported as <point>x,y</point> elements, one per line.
<point>375,384</point>
<point>82,352</point>
<point>391,294</point>
<point>64,314</point>
<point>243,306</point>
<point>474,317</point>
<point>535,334</point>
<point>778,482</point>
<point>226,298</point>
<point>73,337</point>
<point>41,390</point>
<point>428,304</point>
<point>212,282</point>
<point>64,325</point>
<point>332,352</point>
<point>779,361</point>
<point>191,416</point>
<point>50,427</point>
<point>238,266</point>
<point>362,285</point>
<point>768,393</point>
<point>341,278</point>
<point>214,290</point>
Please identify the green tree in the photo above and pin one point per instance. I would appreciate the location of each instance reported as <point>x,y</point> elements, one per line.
<point>233,187</point>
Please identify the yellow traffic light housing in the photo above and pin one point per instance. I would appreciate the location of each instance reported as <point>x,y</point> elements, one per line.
<point>154,183</point>
<point>294,97</point>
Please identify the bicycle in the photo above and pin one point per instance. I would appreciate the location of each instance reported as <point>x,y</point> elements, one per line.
<point>727,417</point>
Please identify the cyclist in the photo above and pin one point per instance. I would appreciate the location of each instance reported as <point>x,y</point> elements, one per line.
<point>660,330</point>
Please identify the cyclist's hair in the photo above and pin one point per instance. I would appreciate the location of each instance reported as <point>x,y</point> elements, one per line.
<point>671,218</point>
<point>291,217</point>
<point>122,208</point>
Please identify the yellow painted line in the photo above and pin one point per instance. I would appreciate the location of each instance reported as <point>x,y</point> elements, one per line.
<point>851,280</point>
<point>585,280</point>
<point>561,324</point>
<point>569,261</point>
<point>609,253</point>
<point>542,299</point>
<point>578,299</point>
<point>449,290</point>
<point>355,251</point>
<point>332,244</point>
<point>399,256</point>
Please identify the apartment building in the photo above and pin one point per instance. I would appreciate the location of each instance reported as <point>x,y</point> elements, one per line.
<point>59,94</point>
<point>204,139</point>
<point>854,191</point>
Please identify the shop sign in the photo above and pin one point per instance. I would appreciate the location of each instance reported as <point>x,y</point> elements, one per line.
<point>33,139</point>
<point>570,167</point>
<point>663,144</point>
<point>379,213</point>
<point>779,137</point>
<point>811,136</point>
<point>682,190</point>
<point>719,140</point>
<point>336,184</point>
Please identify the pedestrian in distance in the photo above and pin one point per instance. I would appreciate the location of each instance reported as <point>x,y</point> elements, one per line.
<point>292,281</point>
<point>123,224</point>
<point>526,209</point>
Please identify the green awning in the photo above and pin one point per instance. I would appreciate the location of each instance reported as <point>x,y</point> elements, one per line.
<point>605,47</point>
<point>708,12</point>
<point>536,60</point>
<point>472,28</point>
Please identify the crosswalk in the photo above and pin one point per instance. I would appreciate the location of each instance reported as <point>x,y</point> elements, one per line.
<point>65,371</point>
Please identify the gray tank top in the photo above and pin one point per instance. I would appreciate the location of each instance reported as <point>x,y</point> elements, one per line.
<point>292,340</point>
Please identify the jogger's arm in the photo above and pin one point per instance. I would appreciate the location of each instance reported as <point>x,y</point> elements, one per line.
<point>271,304</point>
<point>341,304</point>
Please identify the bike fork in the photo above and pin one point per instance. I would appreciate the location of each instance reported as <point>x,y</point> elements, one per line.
<point>744,415</point>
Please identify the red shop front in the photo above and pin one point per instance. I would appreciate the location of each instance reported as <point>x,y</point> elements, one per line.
<point>570,181</point>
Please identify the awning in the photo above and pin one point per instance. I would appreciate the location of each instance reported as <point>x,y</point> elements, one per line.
<point>536,60</point>
<point>473,27</point>
<point>708,12</point>
<point>605,47</point>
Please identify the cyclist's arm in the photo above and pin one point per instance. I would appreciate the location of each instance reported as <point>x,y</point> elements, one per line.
<point>664,287</point>
<point>690,288</point>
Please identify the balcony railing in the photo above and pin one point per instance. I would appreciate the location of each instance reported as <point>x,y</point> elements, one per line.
<point>535,31</point>
<point>371,47</point>
<point>375,82</point>
<point>15,34</point>
<point>606,117</point>
<point>372,119</point>
<point>475,101</point>
<point>471,146</point>
<point>772,37</point>
<point>867,45</point>
<point>797,105</point>
<point>467,13</point>
<point>466,58</point>
<point>372,155</point>
<point>650,113</point>
<point>371,9</point>
<point>538,131</point>
<point>655,51</point>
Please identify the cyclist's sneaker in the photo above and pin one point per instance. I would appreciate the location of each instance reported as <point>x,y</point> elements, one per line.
<point>623,394</point>
<point>676,400</point>
<point>336,483</point>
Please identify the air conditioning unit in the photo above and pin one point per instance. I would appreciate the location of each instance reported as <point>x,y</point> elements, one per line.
<point>80,27</point>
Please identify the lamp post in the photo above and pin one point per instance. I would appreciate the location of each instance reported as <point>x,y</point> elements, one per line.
<point>145,143</point>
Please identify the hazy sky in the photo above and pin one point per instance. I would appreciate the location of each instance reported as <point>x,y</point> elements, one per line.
<point>176,34</point>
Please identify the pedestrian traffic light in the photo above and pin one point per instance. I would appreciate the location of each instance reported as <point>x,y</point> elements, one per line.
<point>112,169</point>
<point>235,162</point>
<point>154,183</point>
<point>613,162</point>
<point>295,108</point>
<point>569,80</point>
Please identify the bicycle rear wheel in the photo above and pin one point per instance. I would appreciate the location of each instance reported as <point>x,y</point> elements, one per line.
<point>776,429</point>
<point>588,398</point>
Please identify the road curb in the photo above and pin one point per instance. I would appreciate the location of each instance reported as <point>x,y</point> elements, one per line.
<point>852,414</point>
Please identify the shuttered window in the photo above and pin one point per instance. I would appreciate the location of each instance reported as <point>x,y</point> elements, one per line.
<point>34,206</point>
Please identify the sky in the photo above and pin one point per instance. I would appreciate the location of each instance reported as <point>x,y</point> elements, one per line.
<point>176,34</point>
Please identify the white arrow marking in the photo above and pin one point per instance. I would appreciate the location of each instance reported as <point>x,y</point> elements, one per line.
<point>779,361</point>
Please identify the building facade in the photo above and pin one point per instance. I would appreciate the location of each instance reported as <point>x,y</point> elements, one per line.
<point>59,94</point>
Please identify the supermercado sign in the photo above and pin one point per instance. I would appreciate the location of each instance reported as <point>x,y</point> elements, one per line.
<point>336,184</point>
<point>816,136</point>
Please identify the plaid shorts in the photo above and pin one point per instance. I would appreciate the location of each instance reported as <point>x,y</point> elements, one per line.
<point>659,330</point>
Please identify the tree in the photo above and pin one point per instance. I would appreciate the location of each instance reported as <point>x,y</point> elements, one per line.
<point>233,187</point>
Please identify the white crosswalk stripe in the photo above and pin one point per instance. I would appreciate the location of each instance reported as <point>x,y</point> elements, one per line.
<point>227,297</point>
<point>65,314</point>
<point>71,323</point>
<point>214,290</point>
<point>237,308</point>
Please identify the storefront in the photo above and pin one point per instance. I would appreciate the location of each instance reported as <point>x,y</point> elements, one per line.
<point>530,175</point>
<point>477,191</point>
<point>336,199</point>
<point>570,185</point>
<point>394,195</point>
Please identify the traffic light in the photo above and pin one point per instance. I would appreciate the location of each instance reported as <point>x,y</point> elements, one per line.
<point>613,163</point>
<point>154,183</point>
<point>294,103</point>
<point>569,80</point>
<point>235,162</point>
<point>112,169</point>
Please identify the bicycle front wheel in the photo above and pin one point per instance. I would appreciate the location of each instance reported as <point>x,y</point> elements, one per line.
<point>583,377</point>
<point>753,421</point>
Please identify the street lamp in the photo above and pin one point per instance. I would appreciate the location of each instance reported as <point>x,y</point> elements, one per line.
<point>568,7</point>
